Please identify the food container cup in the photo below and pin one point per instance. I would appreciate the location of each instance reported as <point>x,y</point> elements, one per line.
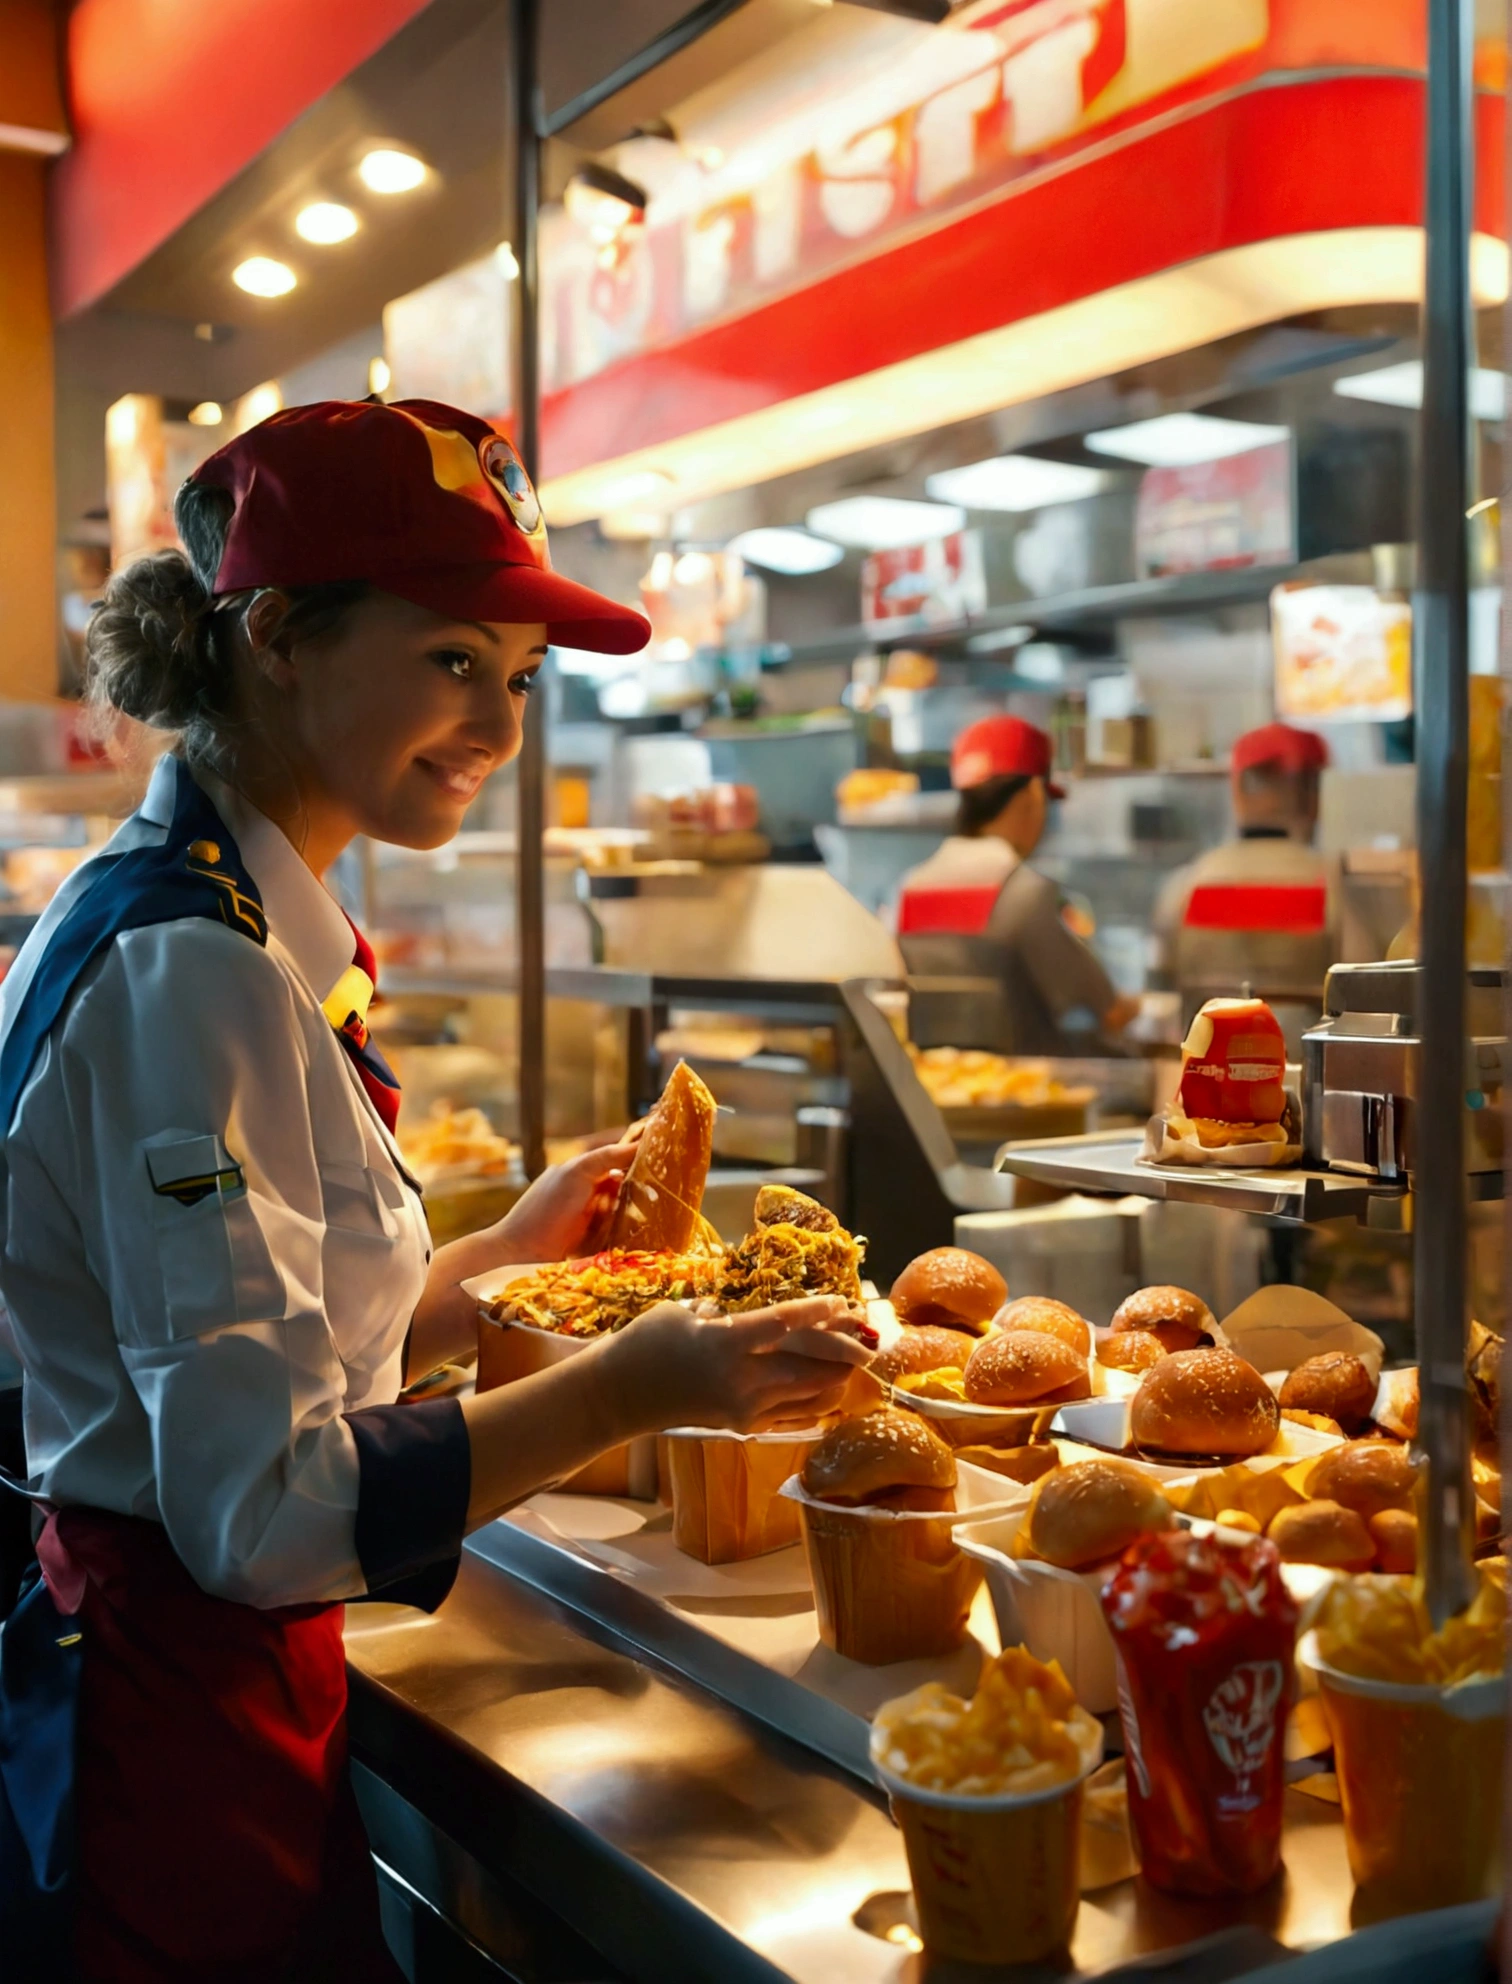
<point>1420,1773</point>
<point>996,1879</point>
<point>888,1584</point>
<point>1054,1612</point>
<point>726,1499</point>
<point>511,1350</point>
<point>965,1425</point>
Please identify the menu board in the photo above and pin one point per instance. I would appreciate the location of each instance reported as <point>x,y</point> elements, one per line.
<point>1342,652</point>
<point>1224,515</point>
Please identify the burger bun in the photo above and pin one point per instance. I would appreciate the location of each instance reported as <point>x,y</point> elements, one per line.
<point>1093,1509</point>
<point>1206,1404</point>
<point>949,1288</point>
<point>1025,1367</point>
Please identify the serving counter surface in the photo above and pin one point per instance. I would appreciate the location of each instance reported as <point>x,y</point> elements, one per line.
<point>684,1840</point>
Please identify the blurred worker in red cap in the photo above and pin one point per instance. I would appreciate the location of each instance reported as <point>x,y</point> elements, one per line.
<point>1262,908</point>
<point>976,909</point>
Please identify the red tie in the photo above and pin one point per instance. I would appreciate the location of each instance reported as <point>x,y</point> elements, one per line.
<point>375,1074</point>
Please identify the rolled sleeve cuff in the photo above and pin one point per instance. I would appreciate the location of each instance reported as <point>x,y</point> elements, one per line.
<point>414,1483</point>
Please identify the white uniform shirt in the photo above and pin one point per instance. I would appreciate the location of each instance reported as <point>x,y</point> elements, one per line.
<point>190,1362</point>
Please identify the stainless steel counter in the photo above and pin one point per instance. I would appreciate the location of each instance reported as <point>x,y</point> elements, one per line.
<point>682,1840</point>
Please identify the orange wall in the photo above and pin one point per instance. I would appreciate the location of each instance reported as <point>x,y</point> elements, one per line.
<point>28,633</point>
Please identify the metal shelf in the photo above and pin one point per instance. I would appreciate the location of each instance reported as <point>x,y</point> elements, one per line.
<point>798,1002</point>
<point>1094,608</point>
<point>1104,1162</point>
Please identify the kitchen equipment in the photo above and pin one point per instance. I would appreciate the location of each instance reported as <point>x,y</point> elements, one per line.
<point>1361,1063</point>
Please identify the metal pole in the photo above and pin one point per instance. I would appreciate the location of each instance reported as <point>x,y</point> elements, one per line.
<point>525,106</point>
<point>1442,642</point>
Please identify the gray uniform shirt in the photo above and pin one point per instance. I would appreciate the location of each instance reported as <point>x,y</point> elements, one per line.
<point>1047,976</point>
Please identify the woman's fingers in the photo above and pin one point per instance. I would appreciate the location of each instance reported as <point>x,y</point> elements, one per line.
<point>596,1164</point>
<point>759,1329</point>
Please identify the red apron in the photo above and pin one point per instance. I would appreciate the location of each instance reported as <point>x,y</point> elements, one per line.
<point>218,1838</point>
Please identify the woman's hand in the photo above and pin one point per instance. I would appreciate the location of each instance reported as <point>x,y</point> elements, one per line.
<point>558,1215</point>
<point>672,1368</point>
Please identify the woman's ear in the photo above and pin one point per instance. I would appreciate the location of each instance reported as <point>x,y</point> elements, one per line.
<point>264,627</point>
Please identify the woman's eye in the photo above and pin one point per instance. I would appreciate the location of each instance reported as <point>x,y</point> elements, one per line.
<point>524,683</point>
<point>456,661</point>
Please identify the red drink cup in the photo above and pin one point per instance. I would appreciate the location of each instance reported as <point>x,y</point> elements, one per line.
<point>1204,1633</point>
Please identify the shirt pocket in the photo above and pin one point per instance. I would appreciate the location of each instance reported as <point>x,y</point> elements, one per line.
<point>216,1265</point>
<point>361,1203</point>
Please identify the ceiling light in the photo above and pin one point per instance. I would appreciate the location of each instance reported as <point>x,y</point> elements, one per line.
<point>207,414</point>
<point>793,552</point>
<point>1179,440</point>
<point>634,526</point>
<point>880,523</point>
<point>603,201</point>
<point>1402,385</point>
<point>325,222</point>
<point>260,275</point>
<point>380,375</point>
<point>1015,482</point>
<point>386,171</point>
<point>260,404</point>
<point>506,261</point>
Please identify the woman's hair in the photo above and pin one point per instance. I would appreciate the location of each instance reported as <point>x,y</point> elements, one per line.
<point>979,805</point>
<point>160,649</point>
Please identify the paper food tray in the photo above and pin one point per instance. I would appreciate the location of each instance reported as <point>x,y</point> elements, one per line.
<point>747,1631</point>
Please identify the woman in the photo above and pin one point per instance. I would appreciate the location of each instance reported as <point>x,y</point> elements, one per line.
<point>216,1267</point>
<point>976,908</point>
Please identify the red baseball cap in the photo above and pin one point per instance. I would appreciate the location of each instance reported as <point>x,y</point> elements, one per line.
<point>421,500</point>
<point>1276,746</point>
<point>1001,747</point>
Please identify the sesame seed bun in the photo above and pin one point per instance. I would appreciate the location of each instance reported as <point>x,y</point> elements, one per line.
<point>889,1459</point>
<point>921,1350</point>
<point>1092,1510</point>
<point>1321,1532</point>
<point>1366,1476</point>
<point>1025,1367</point>
<point>1133,1350</point>
<point>1395,1533</point>
<point>1336,1384</point>
<point>1206,1403</point>
<point>1049,1317</point>
<point>951,1288</point>
<point>1181,1320</point>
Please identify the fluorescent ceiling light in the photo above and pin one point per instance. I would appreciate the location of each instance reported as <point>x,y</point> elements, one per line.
<point>794,552</point>
<point>207,414</point>
<point>881,523</point>
<point>1151,317</point>
<point>1179,440</point>
<point>386,171</point>
<point>260,275</point>
<point>1015,482</point>
<point>1402,385</point>
<point>325,222</point>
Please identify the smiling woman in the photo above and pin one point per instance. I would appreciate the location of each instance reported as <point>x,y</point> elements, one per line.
<point>215,1265</point>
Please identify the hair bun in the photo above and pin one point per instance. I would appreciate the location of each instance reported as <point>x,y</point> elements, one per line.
<point>147,656</point>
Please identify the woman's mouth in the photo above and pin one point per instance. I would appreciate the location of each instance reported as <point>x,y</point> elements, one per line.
<point>456,781</point>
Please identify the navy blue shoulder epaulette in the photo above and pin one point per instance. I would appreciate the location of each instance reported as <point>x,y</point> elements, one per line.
<point>197,871</point>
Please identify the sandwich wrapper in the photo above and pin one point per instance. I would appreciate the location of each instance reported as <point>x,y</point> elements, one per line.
<point>1280,1326</point>
<point>1166,1142</point>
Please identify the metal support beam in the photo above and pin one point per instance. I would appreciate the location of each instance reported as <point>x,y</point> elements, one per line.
<point>525,111</point>
<point>1442,661</point>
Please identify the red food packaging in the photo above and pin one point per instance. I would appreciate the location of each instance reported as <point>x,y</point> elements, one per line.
<point>1233,1063</point>
<point>1205,1633</point>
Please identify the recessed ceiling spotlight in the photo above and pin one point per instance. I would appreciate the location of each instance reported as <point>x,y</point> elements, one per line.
<point>388,171</point>
<point>1402,385</point>
<point>260,404</point>
<point>260,275</point>
<point>1180,440</point>
<point>325,222</point>
<point>208,413</point>
<point>880,523</point>
<point>380,375</point>
<point>1015,482</point>
<point>793,552</point>
<point>506,261</point>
